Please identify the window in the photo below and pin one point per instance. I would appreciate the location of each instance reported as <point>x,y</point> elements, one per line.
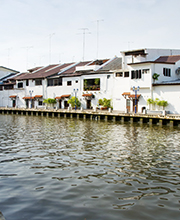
<point>126,74</point>
<point>50,82</point>
<point>145,71</point>
<point>69,83</point>
<point>136,74</point>
<point>92,84</point>
<point>54,82</point>
<point>20,85</point>
<point>7,87</point>
<point>1,87</point>
<point>76,81</point>
<point>27,82</point>
<point>167,72</point>
<point>40,102</point>
<point>120,74</point>
<point>38,82</point>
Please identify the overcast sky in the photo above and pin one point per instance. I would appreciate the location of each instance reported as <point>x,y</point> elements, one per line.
<point>39,32</point>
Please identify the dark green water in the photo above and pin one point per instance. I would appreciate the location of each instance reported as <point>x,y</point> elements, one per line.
<point>53,169</point>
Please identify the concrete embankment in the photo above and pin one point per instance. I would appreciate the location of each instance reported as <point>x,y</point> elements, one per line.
<point>158,119</point>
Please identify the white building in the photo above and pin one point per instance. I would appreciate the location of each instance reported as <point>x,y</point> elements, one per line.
<point>108,78</point>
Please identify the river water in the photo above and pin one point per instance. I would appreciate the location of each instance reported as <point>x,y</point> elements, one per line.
<point>56,168</point>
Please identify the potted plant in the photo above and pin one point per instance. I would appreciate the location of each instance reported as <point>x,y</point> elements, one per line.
<point>50,102</point>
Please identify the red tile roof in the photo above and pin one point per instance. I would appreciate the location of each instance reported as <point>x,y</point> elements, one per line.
<point>126,93</point>
<point>87,95</point>
<point>38,96</point>
<point>28,97</point>
<point>12,96</point>
<point>133,96</point>
<point>63,96</point>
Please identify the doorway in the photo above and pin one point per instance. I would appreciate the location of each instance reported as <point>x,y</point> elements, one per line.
<point>27,103</point>
<point>128,104</point>
<point>14,103</point>
<point>88,104</point>
<point>66,105</point>
<point>59,103</point>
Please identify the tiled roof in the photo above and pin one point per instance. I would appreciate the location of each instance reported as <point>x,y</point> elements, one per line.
<point>28,97</point>
<point>133,96</point>
<point>126,93</point>
<point>12,96</point>
<point>38,96</point>
<point>63,96</point>
<point>72,69</point>
<point>168,59</point>
<point>87,95</point>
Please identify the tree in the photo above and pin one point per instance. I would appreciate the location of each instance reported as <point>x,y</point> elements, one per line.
<point>74,101</point>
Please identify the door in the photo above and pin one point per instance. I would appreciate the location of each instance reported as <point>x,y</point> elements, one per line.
<point>14,103</point>
<point>134,105</point>
<point>128,102</point>
<point>88,104</point>
<point>32,103</point>
<point>66,105</point>
<point>27,103</point>
<point>59,103</point>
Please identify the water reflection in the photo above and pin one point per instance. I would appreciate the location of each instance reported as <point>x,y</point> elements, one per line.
<point>74,169</point>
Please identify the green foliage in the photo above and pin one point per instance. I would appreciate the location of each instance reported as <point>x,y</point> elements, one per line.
<point>155,76</point>
<point>97,81</point>
<point>105,102</point>
<point>100,101</point>
<point>74,101</point>
<point>157,102</point>
<point>50,101</point>
<point>162,103</point>
<point>151,102</point>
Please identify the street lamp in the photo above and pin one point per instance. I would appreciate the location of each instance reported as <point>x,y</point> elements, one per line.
<point>30,92</point>
<point>135,90</point>
<point>75,91</point>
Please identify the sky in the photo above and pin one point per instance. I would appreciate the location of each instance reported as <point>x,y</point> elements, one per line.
<point>42,32</point>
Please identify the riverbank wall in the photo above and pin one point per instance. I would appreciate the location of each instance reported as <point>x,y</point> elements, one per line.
<point>158,119</point>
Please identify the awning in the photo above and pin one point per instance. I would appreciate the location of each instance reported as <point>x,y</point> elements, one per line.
<point>58,97</point>
<point>38,96</point>
<point>87,95</point>
<point>126,94</point>
<point>133,96</point>
<point>65,96</point>
<point>12,96</point>
<point>62,97</point>
<point>28,97</point>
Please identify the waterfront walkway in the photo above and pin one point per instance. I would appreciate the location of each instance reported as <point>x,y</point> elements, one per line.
<point>151,118</point>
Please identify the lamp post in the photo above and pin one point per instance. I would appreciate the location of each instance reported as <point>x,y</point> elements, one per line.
<point>135,90</point>
<point>30,92</point>
<point>75,91</point>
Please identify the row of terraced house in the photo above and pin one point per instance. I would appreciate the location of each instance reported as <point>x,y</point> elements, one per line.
<point>128,81</point>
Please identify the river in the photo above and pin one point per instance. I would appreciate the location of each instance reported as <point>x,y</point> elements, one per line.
<point>70,169</point>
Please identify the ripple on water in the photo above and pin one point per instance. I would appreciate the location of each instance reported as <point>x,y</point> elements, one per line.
<point>75,169</point>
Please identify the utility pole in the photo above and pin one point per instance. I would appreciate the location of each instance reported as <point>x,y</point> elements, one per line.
<point>84,33</point>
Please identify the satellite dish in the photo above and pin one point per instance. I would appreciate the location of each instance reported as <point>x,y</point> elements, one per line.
<point>178,71</point>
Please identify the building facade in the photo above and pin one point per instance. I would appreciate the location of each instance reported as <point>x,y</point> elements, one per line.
<point>128,81</point>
